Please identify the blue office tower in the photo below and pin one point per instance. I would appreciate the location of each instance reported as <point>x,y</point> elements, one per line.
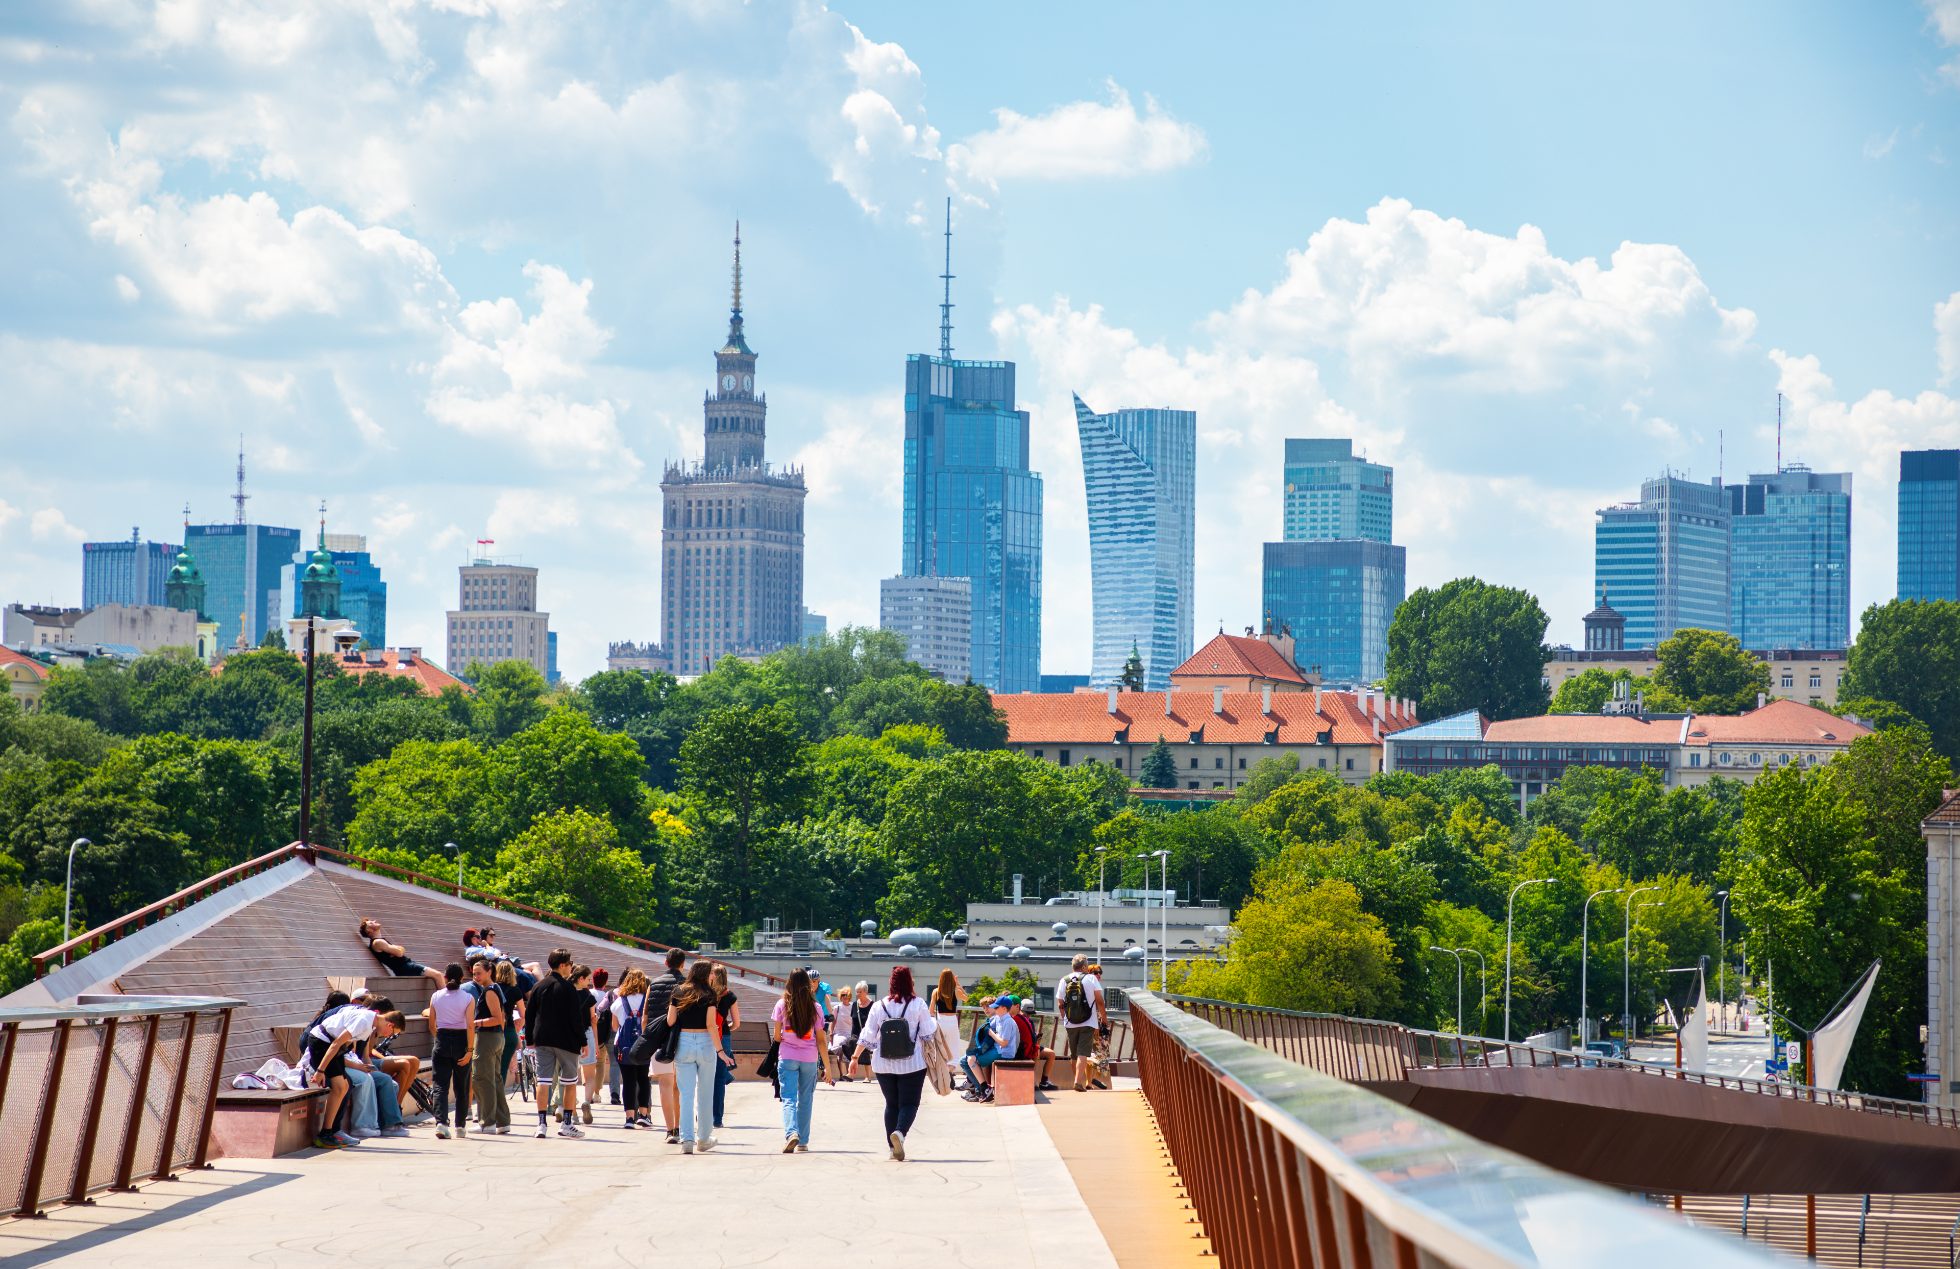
<point>245,575</point>
<point>363,593</point>
<point>1929,524</point>
<point>1790,560</point>
<point>131,572</point>
<point>1140,469</point>
<point>973,509</point>
<point>1663,562</point>
<point>1336,598</point>
<point>1332,495</point>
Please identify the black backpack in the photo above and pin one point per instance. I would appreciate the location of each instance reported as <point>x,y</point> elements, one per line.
<point>895,1034</point>
<point>1075,1001</point>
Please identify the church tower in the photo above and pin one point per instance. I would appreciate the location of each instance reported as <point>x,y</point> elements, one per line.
<point>319,583</point>
<point>731,581</point>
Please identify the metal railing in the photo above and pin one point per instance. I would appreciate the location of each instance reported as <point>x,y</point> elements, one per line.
<point>103,935</point>
<point>1362,1049</point>
<point>1288,1166</point>
<point>1122,1039</point>
<point>98,1097</point>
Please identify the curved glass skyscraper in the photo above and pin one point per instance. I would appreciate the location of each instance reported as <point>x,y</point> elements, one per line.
<point>1140,469</point>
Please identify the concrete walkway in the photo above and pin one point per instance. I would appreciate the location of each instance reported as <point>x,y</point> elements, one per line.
<point>984,1186</point>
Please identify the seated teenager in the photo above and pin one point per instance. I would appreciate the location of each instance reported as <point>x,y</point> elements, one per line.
<point>376,1097</point>
<point>1031,1048</point>
<point>981,1053</point>
<point>393,956</point>
<point>328,1040</point>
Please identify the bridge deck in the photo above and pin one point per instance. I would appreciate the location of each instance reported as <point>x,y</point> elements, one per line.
<point>983,1186</point>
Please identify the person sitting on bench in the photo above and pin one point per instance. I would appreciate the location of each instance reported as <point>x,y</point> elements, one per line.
<point>394,956</point>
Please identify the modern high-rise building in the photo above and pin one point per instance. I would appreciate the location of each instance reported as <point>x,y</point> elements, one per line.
<point>1663,562</point>
<point>363,593</point>
<point>731,580</point>
<point>972,506</point>
<point>1332,496</point>
<point>245,569</point>
<point>1790,559</point>
<point>935,616</point>
<point>1336,580</point>
<point>130,573</point>
<point>815,625</point>
<point>1929,524</point>
<point>496,618</point>
<point>1140,470</point>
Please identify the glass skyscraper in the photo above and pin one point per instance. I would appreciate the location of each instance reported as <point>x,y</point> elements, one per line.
<point>131,572</point>
<point>1332,495</point>
<point>363,593</point>
<point>1663,562</point>
<point>1929,524</point>
<point>245,573</point>
<point>1337,579</point>
<point>1790,560</point>
<point>1140,469</point>
<point>973,509</point>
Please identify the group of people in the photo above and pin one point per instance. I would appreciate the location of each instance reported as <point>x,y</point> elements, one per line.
<point>673,1031</point>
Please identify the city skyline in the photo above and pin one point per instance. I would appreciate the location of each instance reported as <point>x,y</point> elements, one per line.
<point>465,304</point>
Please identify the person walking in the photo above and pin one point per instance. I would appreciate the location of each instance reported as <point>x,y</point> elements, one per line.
<point>487,1080</point>
<point>555,1022</point>
<point>452,1014</point>
<point>893,1038</point>
<point>602,1037</point>
<point>730,1010</point>
<point>513,985</point>
<point>947,998</point>
<point>660,992</point>
<point>696,1025</point>
<point>1080,1007</point>
<point>629,1022</point>
<point>796,1025</point>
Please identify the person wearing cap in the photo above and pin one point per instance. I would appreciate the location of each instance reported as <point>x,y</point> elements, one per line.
<point>981,1054</point>
<point>1043,1059</point>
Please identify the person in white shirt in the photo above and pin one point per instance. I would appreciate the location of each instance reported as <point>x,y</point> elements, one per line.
<point>1083,1012</point>
<point>328,1041</point>
<point>898,1060</point>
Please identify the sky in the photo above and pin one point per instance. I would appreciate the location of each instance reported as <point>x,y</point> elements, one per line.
<point>458,268</point>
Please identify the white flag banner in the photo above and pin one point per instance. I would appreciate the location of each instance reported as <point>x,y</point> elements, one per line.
<point>1830,1044</point>
<point>1694,1030</point>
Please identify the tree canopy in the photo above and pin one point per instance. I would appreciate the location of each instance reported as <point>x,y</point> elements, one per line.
<point>1907,654</point>
<point>1469,645</point>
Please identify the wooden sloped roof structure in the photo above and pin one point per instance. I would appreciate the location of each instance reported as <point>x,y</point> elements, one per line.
<point>275,931</point>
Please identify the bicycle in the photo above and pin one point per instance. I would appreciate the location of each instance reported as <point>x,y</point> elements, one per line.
<point>527,1073</point>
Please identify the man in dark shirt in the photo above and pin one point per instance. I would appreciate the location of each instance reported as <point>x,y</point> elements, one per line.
<point>659,991</point>
<point>555,1021</point>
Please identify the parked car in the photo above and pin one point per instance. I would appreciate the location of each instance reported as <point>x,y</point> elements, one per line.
<point>1604,1049</point>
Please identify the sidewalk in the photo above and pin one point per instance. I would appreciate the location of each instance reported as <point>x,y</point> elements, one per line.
<point>983,1186</point>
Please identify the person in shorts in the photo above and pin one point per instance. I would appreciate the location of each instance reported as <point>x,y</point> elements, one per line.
<point>393,956</point>
<point>1082,1011</point>
<point>556,1018</point>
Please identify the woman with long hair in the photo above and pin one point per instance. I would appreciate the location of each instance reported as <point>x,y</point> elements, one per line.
<point>697,1051</point>
<point>947,998</point>
<point>797,1027</point>
<point>730,1010</point>
<point>506,974</point>
<point>452,1016</point>
<point>629,1020</point>
<point>898,1057</point>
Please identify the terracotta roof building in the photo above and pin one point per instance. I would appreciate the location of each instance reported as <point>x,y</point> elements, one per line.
<point>1243,664</point>
<point>1215,736</point>
<point>24,677</point>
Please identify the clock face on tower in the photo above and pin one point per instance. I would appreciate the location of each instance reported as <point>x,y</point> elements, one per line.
<point>728,383</point>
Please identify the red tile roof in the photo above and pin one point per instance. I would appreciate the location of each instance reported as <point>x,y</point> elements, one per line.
<point>1561,729</point>
<point>1238,654</point>
<point>1781,722</point>
<point>1083,718</point>
<point>428,676</point>
<point>10,657</point>
<point>1948,811</point>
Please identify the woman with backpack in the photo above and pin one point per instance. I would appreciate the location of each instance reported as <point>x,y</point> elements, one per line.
<point>797,1027</point>
<point>629,1020</point>
<point>893,1038</point>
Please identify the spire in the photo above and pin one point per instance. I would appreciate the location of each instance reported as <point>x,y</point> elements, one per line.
<point>323,524</point>
<point>736,307</point>
<point>946,304</point>
<point>238,499</point>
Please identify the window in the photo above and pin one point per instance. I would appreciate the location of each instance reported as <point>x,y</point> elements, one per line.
<point>1350,764</point>
<point>1242,764</point>
<point>1783,760</point>
<point>1694,760</point>
<point>1755,760</point>
<point>1323,764</point>
<point>1062,756</point>
<point>1725,758</point>
<point>1194,767</point>
<point>1817,680</point>
<point>1191,785</point>
<point>1217,764</point>
<point>1217,784</point>
<point>1787,682</point>
<point>1038,753</point>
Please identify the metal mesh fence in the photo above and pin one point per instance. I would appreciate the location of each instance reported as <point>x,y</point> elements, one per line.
<point>117,1096</point>
<point>71,1108</point>
<point>197,1089</point>
<point>156,1098</point>
<point>26,1082</point>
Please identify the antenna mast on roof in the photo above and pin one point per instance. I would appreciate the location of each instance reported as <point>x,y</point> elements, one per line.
<point>1779,433</point>
<point>1721,455</point>
<point>238,499</point>
<point>946,303</point>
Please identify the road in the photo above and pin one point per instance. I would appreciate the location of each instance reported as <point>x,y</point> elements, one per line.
<point>1734,1053</point>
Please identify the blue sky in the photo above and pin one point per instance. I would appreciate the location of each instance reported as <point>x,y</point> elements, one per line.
<point>458,267</point>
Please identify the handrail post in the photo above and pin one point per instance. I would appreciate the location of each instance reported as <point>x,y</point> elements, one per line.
<point>138,1101</point>
<point>98,1088</point>
<point>168,1145</point>
<point>37,1148</point>
<point>199,1159</point>
<point>11,1030</point>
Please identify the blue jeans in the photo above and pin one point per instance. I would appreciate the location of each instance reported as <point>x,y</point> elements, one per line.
<point>695,1061</point>
<point>972,1074</point>
<point>798,1081</point>
<point>387,1099</point>
<point>724,1076</point>
<point>360,1102</point>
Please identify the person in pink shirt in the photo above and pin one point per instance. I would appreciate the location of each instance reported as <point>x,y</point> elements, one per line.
<point>797,1027</point>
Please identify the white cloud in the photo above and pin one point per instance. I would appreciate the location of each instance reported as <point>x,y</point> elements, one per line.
<point>49,525</point>
<point>1946,337</point>
<point>1081,139</point>
<point>1877,147</point>
<point>1944,17</point>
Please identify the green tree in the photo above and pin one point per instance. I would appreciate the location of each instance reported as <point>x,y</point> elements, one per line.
<point>745,769</point>
<point>1908,652</point>
<point>572,862</point>
<point>1709,671</point>
<point>1131,679</point>
<point>562,762</point>
<point>1469,645</point>
<point>1160,767</point>
<point>1012,981</point>
<point>1310,809</point>
<point>98,692</point>
<point>424,794</point>
<point>509,697</point>
<point>1299,944</point>
<point>1588,691</point>
<point>966,713</point>
<point>1267,774</point>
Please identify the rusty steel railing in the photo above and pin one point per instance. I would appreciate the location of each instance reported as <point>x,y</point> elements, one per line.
<point>1361,1049</point>
<point>99,1097</point>
<point>1288,1166</point>
<point>103,935</point>
<point>1122,1039</point>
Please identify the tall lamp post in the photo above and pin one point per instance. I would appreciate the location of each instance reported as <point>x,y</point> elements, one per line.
<point>68,898</point>
<point>1483,987</point>
<point>457,851</point>
<point>1450,951</point>
<point>1626,969</point>
<point>1163,902</point>
<point>1509,906</point>
<point>1585,929</point>
<point>1102,898</point>
<point>1722,962</point>
<point>306,749</point>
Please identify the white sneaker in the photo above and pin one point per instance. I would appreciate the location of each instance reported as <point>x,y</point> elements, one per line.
<point>705,1144</point>
<point>687,1147</point>
<point>569,1130</point>
<point>442,1132</point>
<point>365,1134</point>
<point>503,1130</point>
<point>462,1130</point>
<point>898,1145</point>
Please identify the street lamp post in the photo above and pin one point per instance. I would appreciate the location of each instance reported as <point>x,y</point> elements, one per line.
<point>1483,987</point>
<point>1164,859</point>
<point>457,851</point>
<point>1447,951</point>
<point>1509,905</point>
<point>1626,969</point>
<point>306,748</point>
<point>1585,929</point>
<point>68,897</point>
<point>1722,962</point>
<point>1102,899</point>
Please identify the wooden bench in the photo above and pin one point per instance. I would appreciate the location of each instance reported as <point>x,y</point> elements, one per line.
<point>1014,1083</point>
<point>264,1123</point>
